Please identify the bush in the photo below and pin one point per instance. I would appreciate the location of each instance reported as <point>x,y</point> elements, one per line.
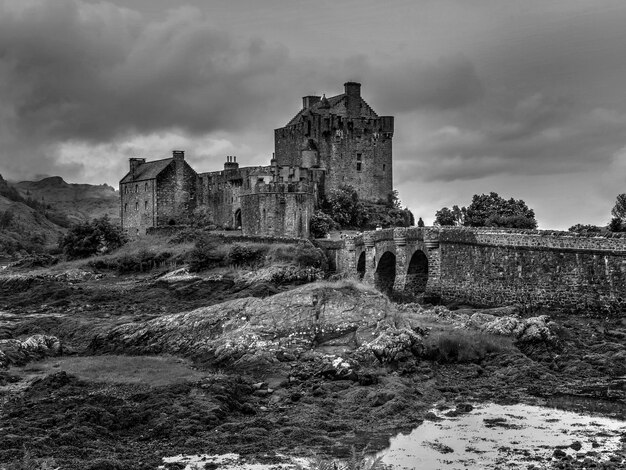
<point>206,254</point>
<point>301,254</point>
<point>464,345</point>
<point>247,255</point>
<point>90,238</point>
<point>321,223</point>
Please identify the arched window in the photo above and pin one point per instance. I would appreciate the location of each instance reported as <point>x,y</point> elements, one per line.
<point>136,206</point>
<point>136,188</point>
<point>145,205</point>
<point>126,207</point>
<point>146,187</point>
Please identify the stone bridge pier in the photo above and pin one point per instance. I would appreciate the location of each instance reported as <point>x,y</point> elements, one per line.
<point>395,260</point>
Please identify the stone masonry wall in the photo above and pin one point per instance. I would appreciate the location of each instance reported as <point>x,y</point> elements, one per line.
<point>176,194</point>
<point>138,206</point>
<point>274,210</point>
<point>353,151</point>
<point>534,268</point>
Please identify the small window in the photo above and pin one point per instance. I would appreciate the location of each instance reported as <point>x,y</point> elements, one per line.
<point>136,206</point>
<point>358,166</point>
<point>136,188</point>
<point>126,206</point>
<point>145,205</point>
<point>358,157</point>
<point>384,167</point>
<point>146,187</point>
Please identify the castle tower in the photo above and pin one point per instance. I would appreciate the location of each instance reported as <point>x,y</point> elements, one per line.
<point>353,143</point>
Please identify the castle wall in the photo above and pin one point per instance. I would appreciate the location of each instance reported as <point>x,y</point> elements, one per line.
<point>278,210</point>
<point>176,194</point>
<point>353,151</point>
<point>138,206</point>
<point>534,268</point>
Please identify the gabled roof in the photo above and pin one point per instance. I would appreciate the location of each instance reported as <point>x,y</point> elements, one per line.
<point>330,106</point>
<point>147,171</point>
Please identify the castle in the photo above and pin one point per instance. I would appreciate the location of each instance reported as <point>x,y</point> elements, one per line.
<point>330,142</point>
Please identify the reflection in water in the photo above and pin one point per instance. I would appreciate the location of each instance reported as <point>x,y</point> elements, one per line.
<point>495,435</point>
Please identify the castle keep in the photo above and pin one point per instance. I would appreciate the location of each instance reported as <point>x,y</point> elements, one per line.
<point>330,142</point>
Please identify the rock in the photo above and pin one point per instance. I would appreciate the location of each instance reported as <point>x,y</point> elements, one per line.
<point>559,454</point>
<point>379,398</point>
<point>464,407</point>
<point>528,330</point>
<point>576,445</point>
<point>393,345</point>
<point>253,333</point>
<point>16,352</point>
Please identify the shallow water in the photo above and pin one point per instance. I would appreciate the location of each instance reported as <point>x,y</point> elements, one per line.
<point>502,436</point>
<point>489,437</point>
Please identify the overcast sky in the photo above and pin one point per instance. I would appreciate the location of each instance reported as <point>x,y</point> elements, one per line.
<point>525,98</point>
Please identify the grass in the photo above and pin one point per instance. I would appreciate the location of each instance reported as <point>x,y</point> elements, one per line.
<point>464,345</point>
<point>154,371</point>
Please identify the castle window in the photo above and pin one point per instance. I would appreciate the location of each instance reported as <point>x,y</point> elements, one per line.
<point>126,206</point>
<point>136,188</point>
<point>358,166</point>
<point>146,187</point>
<point>384,167</point>
<point>145,205</point>
<point>136,206</point>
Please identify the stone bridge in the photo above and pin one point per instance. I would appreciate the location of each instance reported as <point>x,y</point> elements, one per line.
<point>491,266</point>
<point>399,259</point>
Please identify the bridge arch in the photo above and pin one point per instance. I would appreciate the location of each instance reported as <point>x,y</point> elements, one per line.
<point>360,266</point>
<point>385,275</point>
<point>417,273</point>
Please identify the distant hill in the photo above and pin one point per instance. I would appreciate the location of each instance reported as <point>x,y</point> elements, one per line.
<point>79,202</point>
<point>33,214</point>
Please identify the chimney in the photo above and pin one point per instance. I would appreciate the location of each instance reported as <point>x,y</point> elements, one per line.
<point>308,101</point>
<point>353,101</point>
<point>134,163</point>
<point>352,89</point>
<point>178,154</point>
<point>231,163</point>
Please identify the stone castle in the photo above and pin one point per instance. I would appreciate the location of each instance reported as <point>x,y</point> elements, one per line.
<point>330,142</point>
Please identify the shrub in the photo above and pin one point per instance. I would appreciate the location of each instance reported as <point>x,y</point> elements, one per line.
<point>464,345</point>
<point>247,255</point>
<point>205,255</point>
<point>301,254</point>
<point>87,239</point>
<point>321,223</point>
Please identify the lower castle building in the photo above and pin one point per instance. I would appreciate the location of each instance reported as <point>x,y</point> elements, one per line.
<point>331,142</point>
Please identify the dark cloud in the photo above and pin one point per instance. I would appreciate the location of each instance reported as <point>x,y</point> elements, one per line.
<point>97,71</point>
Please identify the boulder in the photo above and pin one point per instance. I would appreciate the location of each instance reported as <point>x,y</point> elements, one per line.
<point>17,352</point>
<point>253,332</point>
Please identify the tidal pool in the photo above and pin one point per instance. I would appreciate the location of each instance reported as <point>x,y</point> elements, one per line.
<point>505,436</point>
<point>489,436</point>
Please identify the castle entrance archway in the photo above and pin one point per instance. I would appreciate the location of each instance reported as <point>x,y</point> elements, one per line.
<point>238,218</point>
<point>360,266</point>
<point>385,275</point>
<point>417,273</point>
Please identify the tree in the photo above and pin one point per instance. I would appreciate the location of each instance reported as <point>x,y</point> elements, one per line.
<point>619,210</point>
<point>490,210</point>
<point>89,238</point>
<point>345,208</point>
<point>321,224</point>
<point>585,228</point>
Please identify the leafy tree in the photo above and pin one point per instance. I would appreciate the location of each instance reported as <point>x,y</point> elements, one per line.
<point>321,223</point>
<point>89,238</point>
<point>448,217</point>
<point>617,225</point>
<point>344,206</point>
<point>490,210</point>
<point>585,228</point>
<point>619,210</point>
